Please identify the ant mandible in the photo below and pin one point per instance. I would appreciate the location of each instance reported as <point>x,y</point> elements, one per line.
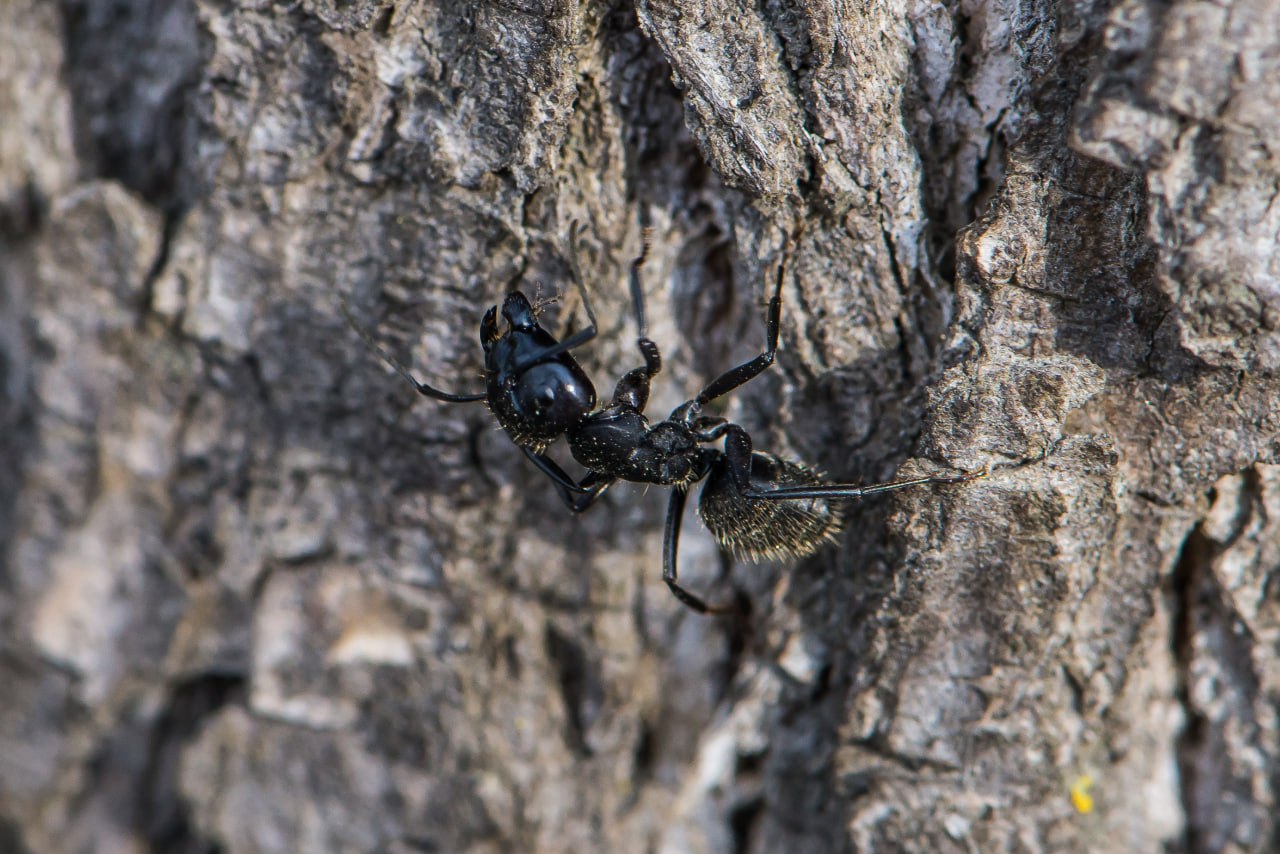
<point>756,504</point>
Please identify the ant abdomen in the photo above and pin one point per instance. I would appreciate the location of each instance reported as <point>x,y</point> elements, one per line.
<point>759,528</point>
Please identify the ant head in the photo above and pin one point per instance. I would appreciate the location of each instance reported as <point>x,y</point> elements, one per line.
<point>518,312</point>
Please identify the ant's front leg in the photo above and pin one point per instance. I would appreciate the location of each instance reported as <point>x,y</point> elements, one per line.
<point>595,484</point>
<point>632,389</point>
<point>577,496</point>
<point>580,337</point>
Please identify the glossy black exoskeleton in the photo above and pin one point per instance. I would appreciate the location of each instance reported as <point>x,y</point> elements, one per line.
<point>535,388</point>
<point>757,505</point>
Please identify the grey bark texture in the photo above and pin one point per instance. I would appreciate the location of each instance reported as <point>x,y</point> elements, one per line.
<point>258,596</point>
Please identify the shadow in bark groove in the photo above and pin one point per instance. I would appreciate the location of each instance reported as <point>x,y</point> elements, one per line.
<point>132,67</point>
<point>160,813</point>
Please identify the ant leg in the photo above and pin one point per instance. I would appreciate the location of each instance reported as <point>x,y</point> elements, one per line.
<point>582,336</point>
<point>737,446</point>
<point>670,546</point>
<point>564,484</point>
<point>848,490</point>
<point>633,389</point>
<point>747,371</point>
<point>595,484</point>
<point>575,340</point>
<point>648,349</point>
<point>422,388</point>
<point>587,491</point>
<point>575,231</point>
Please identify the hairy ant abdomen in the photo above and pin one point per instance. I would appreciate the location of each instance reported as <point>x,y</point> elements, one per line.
<point>757,528</point>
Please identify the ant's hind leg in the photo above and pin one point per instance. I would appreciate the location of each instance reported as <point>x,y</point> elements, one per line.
<point>737,449</point>
<point>422,388</point>
<point>670,546</point>
<point>848,490</point>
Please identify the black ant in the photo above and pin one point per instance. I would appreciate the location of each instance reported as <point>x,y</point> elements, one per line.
<point>757,505</point>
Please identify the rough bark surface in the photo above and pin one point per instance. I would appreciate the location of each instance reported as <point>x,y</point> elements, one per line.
<point>256,595</point>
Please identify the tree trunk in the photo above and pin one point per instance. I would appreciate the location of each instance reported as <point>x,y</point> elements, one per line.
<point>257,595</point>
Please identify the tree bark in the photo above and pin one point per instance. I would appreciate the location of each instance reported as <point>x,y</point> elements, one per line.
<point>257,595</point>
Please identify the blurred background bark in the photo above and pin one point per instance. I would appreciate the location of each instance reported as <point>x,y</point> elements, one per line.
<point>256,595</point>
